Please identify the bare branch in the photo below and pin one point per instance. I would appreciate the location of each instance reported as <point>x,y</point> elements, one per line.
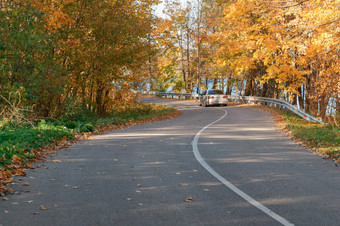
<point>314,28</point>
<point>286,7</point>
<point>327,23</point>
<point>16,112</point>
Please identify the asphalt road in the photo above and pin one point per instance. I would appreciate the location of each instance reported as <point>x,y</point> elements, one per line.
<point>181,172</point>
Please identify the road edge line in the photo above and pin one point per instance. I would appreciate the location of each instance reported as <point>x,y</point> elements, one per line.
<point>232,187</point>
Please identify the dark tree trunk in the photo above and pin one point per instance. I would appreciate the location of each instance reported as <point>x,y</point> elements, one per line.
<point>229,89</point>
<point>249,86</point>
<point>300,98</point>
<point>215,83</point>
<point>264,90</point>
<point>337,113</point>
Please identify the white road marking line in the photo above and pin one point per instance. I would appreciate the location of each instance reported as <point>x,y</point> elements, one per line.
<point>249,199</point>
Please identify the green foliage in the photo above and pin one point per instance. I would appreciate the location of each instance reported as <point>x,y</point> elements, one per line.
<point>20,141</point>
<point>79,126</point>
<point>67,56</point>
<point>69,62</point>
<point>28,64</point>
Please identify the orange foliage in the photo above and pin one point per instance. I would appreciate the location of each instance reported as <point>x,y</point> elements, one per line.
<point>293,41</point>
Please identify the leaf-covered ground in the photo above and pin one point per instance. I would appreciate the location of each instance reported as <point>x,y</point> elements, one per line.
<point>21,146</point>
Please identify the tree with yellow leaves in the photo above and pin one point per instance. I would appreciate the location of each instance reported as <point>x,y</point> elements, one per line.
<point>283,48</point>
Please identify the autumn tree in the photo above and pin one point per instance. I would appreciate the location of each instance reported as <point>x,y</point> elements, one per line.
<point>177,45</point>
<point>68,55</point>
<point>29,71</point>
<point>282,48</point>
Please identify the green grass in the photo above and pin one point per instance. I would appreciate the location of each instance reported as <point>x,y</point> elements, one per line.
<point>324,138</point>
<point>21,141</point>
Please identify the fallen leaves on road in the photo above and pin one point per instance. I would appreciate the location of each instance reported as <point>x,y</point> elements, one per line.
<point>184,184</point>
<point>189,199</point>
<point>5,199</point>
<point>75,187</point>
<point>42,207</point>
<point>25,184</point>
<point>29,201</point>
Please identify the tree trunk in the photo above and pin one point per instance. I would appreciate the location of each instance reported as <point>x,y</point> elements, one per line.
<point>236,88</point>
<point>249,86</point>
<point>293,99</point>
<point>188,58</point>
<point>337,113</point>
<point>183,63</point>
<point>311,101</point>
<point>323,106</point>
<point>100,98</point>
<point>308,101</point>
<point>229,85</point>
<point>215,83</point>
<point>264,90</point>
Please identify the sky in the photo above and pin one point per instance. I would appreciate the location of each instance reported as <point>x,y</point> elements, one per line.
<point>160,7</point>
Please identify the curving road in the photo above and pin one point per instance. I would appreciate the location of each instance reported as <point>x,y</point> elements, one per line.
<point>209,166</point>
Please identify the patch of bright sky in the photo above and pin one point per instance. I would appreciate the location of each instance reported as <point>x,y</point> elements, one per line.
<point>159,9</point>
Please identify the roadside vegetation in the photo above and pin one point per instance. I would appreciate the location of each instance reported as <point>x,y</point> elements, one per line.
<point>70,68</point>
<point>24,143</point>
<point>322,139</point>
<point>325,139</point>
<point>65,73</point>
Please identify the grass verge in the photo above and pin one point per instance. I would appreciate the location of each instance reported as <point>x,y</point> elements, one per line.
<point>323,140</point>
<point>21,146</point>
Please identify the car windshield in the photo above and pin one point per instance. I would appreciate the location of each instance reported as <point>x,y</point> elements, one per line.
<point>215,91</point>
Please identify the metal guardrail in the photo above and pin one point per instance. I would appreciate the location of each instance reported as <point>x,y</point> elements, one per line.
<point>172,95</point>
<point>253,99</point>
<point>281,103</point>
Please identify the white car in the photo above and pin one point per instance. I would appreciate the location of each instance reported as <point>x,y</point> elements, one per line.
<point>213,97</point>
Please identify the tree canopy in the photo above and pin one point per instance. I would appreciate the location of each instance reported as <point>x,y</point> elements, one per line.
<point>62,57</point>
